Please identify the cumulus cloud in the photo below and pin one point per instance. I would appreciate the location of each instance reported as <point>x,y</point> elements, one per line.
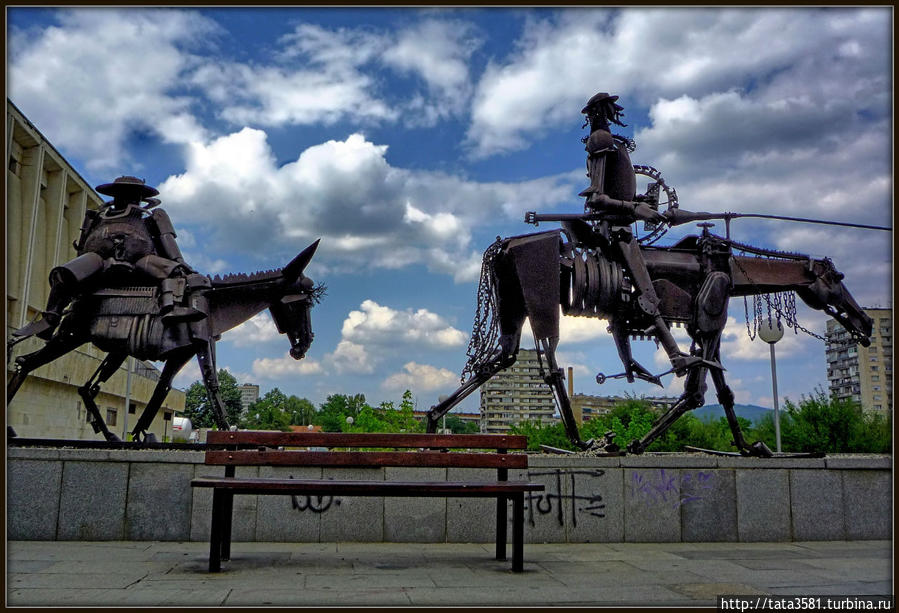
<point>121,69</point>
<point>420,378</point>
<point>369,213</point>
<point>258,329</point>
<point>374,324</point>
<point>285,366</point>
<point>350,357</point>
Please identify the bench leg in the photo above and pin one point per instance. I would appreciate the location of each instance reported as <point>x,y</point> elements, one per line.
<point>518,532</point>
<point>501,506</point>
<point>217,530</point>
<point>228,510</point>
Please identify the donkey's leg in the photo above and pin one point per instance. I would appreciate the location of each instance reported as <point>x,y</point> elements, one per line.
<point>163,386</point>
<point>55,348</point>
<point>206,358</point>
<point>91,388</point>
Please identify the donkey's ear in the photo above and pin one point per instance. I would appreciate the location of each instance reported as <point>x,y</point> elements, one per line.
<point>296,267</point>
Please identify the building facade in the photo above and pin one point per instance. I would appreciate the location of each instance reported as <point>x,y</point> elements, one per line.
<point>862,374</point>
<point>516,394</point>
<point>594,406</point>
<point>46,200</point>
<point>249,393</point>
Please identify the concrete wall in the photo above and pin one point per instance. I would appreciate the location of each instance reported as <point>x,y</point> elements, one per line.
<point>146,495</point>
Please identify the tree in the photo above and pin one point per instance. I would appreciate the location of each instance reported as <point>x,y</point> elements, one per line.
<point>458,426</point>
<point>268,413</point>
<point>198,408</point>
<point>301,411</point>
<point>332,414</point>
<point>386,418</point>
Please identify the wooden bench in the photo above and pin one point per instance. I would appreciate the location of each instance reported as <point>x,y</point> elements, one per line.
<point>256,448</point>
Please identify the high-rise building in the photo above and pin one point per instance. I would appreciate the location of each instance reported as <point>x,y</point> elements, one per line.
<point>863,374</point>
<point>516,394</point>
<point>249,393</point>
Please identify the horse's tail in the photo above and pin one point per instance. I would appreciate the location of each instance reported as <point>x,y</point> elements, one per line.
<point>485,330</point>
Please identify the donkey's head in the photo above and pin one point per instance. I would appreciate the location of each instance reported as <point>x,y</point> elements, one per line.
<point>828,294</point>
<point>291,312</point>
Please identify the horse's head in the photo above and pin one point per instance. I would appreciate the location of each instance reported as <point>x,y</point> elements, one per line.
<point>828,294</point>
<point>291,312</point>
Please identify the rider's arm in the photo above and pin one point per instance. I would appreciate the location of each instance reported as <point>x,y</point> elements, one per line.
<point>164,233</point>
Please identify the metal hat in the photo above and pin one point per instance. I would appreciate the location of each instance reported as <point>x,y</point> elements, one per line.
<point>127,185</point>
<point>601,96</point>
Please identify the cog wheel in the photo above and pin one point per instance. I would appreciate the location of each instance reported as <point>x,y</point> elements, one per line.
<point>660,196</point>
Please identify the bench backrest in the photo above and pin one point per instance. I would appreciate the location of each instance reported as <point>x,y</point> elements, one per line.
<point>256,448</point>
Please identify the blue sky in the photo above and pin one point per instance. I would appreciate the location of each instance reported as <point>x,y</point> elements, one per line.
<point>408,139</point>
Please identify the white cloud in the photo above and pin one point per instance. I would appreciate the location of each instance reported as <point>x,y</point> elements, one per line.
<point>379,325</point>
<point>368,213</point>
<point>420,378</point>
<point>121,67</point>
<point>258,329</point>
<point>350,357</point>
<point>286,366</point>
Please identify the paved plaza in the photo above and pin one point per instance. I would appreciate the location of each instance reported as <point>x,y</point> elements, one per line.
<point>131,573</point>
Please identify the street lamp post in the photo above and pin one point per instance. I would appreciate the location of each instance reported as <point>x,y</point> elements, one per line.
<point>771,331</point>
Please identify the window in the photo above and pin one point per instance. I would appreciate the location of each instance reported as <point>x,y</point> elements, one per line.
<point>132,408</point>
<point>111,417</point>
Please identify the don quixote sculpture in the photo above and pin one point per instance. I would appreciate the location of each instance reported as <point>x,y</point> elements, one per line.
<point>130,292</point>
<point>596,265</point>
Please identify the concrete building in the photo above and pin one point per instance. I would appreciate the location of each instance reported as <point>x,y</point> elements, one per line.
<point>45,203</point>
<point>593,406</point>
<point>863,374</point>
<point>249,393</point>
<point>516,394</point>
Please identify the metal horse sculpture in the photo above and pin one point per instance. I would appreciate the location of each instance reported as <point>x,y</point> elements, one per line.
<point>126,321</point>
<point>531,276</point>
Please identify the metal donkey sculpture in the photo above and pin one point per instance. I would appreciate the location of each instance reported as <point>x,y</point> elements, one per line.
<point>131,313</point>
<point>596,266</point>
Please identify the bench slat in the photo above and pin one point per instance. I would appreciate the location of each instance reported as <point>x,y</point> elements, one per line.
<point>360,488</point>
<point>362,459</point>
<point>349,439</point>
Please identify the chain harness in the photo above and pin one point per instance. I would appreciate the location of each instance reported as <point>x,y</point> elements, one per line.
<point>485,329</point>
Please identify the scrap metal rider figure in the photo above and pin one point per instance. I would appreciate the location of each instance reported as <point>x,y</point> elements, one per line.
<point>124,243</point>
<point>612,195</point>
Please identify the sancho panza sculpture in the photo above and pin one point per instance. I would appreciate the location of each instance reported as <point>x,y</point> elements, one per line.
<point>597,266</point>
<point>130,292</point>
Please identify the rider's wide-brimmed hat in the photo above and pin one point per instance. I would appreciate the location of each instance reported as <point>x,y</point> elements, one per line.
<point>600,97</point>
<point>128,185</point>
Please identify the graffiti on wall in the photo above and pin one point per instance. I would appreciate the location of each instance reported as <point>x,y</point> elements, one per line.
<point>661,488</point>
<point>553,499</point>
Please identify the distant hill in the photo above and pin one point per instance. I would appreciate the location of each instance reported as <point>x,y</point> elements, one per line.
<point>752,412</point>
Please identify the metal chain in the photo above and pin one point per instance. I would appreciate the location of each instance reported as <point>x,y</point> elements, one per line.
<point>786,312</point>
<point>485,329</point>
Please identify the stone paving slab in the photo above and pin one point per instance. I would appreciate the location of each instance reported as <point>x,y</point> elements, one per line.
<point>73,573</point>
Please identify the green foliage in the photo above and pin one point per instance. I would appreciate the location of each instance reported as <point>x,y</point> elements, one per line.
<point>198,408</point>
<point>332,414</point>
<point>457,426</point>
<point>816,424</point>
<point>552,435</point>
<point>828,425</point>
<point>386,418</point>
<point>271,412</point>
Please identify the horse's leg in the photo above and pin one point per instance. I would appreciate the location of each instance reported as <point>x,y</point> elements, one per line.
<point>91,388</point>
<point>726,398</point>
<point>484,374</point>
<point>555,380</point>
<point>206,358</point>
<point>55,348</point>
<point>693,397</point>
<point>172,366</point>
